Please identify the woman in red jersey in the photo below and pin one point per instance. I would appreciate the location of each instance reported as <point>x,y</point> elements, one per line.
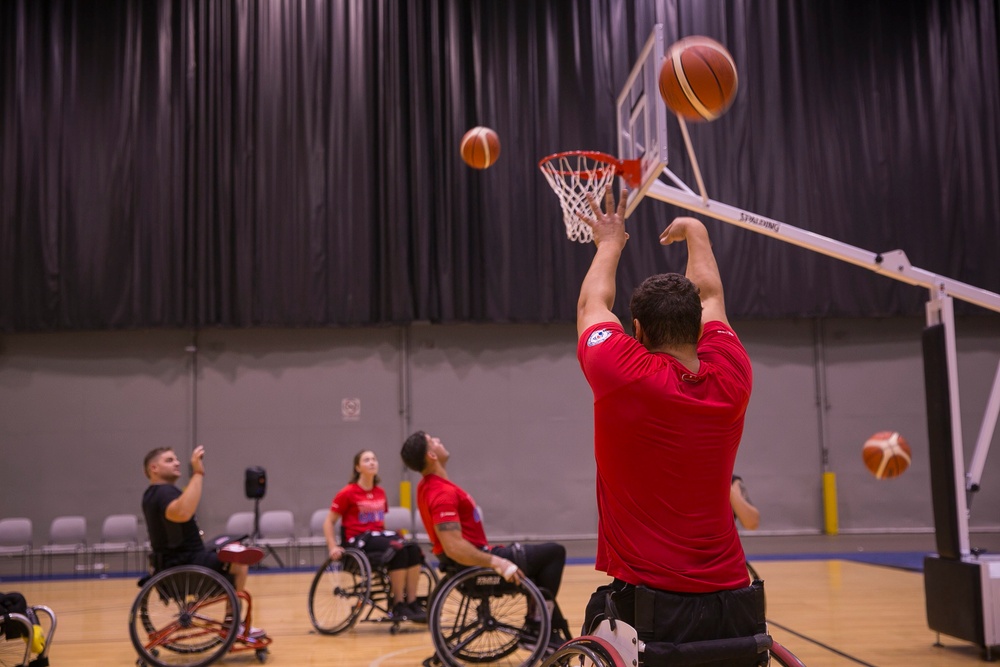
<point>361,508</point>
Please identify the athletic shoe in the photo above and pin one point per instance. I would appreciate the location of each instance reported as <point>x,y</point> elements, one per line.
<point>415,612</point>
<point>253,633</point>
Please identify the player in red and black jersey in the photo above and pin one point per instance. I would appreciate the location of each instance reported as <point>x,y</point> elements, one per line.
<point>669,407</point>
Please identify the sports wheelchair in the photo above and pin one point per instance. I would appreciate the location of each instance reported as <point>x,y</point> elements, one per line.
<point>22,636</point>
<point>615,643</point>
<point>478,617</point>
<point>184,615</point>
<point>349,590</point>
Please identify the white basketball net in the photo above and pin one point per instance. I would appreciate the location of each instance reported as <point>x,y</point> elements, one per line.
<point>577,176</point>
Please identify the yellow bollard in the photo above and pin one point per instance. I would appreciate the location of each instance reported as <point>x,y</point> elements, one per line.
<point>405,495</point>
<point>830,503</point>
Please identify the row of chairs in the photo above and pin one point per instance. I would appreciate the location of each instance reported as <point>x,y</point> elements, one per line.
<point>120,539</point>
<point>68,537</point>
<point>276,530</point>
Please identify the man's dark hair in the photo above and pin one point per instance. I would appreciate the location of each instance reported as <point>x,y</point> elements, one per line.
<point>668,307</point>
<point>153,454</point>
<point>414,451</point>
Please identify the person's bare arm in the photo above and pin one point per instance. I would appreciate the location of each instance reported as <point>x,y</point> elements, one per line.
<point>334,549</point>
<point>183,507</point>
<point>748,515</point>
<point>597,292</point>
<point>702,268</point>
<point>462,551</point>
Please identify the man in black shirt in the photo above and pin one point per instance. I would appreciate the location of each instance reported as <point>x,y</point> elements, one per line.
<point>174,536</point>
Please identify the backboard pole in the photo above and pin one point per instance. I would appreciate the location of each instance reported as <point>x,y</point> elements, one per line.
<point>940,309</point>
<point>986,431</point>
<point>694,160</point>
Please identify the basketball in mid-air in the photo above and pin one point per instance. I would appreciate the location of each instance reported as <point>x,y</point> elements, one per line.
<point>886,454</point>
<point>698,79</point>
<point>480,147</point>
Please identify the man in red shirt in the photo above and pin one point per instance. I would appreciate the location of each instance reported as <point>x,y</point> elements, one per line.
<point>669,406</point>
<point>451,518</point>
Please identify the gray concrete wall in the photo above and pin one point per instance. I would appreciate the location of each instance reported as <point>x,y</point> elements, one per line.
<point>79,411</point>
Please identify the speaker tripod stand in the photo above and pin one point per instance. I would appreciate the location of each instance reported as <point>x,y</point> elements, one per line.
<point>256,536</point>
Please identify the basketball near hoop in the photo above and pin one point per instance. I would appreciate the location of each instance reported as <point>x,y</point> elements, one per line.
<point>480,147</point>
<point>886,454</point>
<point>698,79</point>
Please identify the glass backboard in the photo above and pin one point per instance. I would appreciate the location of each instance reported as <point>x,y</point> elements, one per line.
<point>642,120</point>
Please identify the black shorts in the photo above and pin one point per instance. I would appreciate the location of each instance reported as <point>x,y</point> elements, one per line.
<point>669,619</point>
<point>389,551</point>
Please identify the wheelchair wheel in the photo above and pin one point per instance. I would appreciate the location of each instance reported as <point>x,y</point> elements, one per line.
<point>339,592</point>
<point>478,617</point>
<point>184,616</point>
<point>783,657</point>
<point>426,584</point>
<point>585,652</point>
<point>15,650</point>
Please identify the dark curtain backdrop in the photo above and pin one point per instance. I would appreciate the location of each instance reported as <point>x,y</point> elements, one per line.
<point>295,163</point>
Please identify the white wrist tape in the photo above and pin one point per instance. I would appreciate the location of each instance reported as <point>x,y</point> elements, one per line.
<point>503,567</point>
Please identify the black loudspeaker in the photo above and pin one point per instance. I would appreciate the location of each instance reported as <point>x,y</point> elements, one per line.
<point>256,483</point>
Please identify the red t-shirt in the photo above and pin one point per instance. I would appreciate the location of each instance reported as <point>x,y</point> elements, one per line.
<point>442,501</point>
<point>360,510</point>
<point>665,440</point>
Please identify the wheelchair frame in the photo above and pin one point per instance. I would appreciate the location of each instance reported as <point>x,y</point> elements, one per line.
<point>10,649</point>
<point>359,593</point>
<point>184,616</point>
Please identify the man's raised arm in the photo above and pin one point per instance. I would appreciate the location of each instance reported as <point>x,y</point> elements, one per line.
<point>597,293</point>
<point>702,268</point>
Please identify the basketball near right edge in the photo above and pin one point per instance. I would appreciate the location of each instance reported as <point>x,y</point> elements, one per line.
<point>698,79</point>
<point>886,454</point>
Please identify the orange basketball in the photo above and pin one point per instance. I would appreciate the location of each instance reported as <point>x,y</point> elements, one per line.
<point>698,79</point>
<point>480,147</point>
<point>886,454</point>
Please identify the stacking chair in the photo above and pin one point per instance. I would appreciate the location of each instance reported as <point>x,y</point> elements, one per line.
<point>67,536</point>
<point>119,535</point>
<point>400,520</point>
<point>16,540</point>
<point>315,539</point>
<point>277,530</point>
<point>240,524</point>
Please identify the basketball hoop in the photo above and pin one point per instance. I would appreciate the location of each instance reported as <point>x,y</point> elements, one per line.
<point>577,176</point>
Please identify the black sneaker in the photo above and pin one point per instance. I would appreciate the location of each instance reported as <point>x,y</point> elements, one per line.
<point>415,612</point>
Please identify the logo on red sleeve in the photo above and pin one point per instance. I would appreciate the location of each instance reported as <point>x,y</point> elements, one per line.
<point>598,337</point>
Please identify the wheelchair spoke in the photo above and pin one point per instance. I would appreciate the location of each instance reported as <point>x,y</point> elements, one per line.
<point>184,616</point>
<point>474,620</point>
<point>339,593</point>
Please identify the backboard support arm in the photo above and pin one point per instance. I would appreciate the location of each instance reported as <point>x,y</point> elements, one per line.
<point>892,264</point>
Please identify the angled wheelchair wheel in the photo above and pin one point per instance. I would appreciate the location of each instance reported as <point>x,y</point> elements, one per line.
<point>340,592</point>
<point>477,617</point>
<point>584,652</point>
<point>184,616</point>
<point>783,657</point>
<point>426,585</point>
<point>15,650</point>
